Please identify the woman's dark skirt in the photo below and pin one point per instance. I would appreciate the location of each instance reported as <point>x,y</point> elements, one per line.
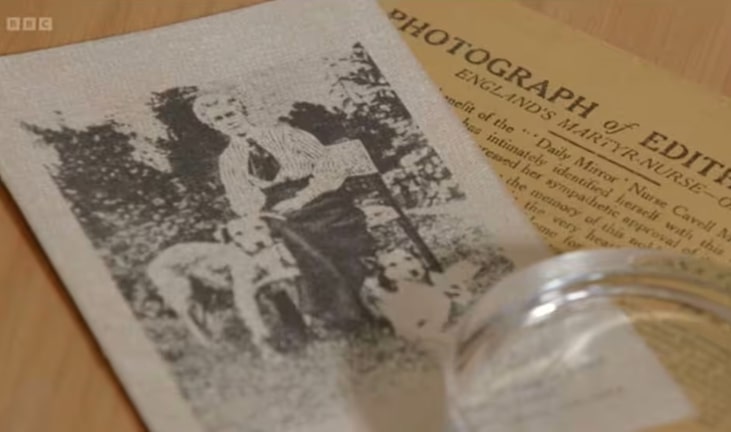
<point>329,239</point>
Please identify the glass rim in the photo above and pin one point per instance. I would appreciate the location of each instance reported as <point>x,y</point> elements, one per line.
<point>665,274</point>
<point>554,285</point>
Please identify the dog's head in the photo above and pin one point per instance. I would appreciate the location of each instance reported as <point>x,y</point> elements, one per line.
<point>250,234</point>
<point>400,264</point>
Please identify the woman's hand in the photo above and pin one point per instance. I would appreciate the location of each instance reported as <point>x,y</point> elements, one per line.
<point>291,204</point>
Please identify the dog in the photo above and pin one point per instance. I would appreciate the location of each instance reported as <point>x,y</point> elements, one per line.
<point>244,259</point>
<point>400,265</point>
<point>251,234</point>
<point>417,303</point>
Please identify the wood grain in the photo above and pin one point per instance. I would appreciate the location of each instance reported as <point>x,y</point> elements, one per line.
<point>52,375</point>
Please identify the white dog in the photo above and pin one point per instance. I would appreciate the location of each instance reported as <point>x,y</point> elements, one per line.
<point>251,234</point>
<point>416,302</point>
<point>245,260</point>
<point>401,265</point>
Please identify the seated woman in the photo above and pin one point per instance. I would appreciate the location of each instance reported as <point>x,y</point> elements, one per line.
<point>283,174</point>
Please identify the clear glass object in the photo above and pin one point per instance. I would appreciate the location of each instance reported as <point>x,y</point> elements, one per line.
<point>603,341</point>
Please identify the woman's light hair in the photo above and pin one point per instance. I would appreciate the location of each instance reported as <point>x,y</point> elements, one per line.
<point>209,97</point>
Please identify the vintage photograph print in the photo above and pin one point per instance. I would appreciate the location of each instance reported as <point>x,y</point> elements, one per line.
<point>280,236</point>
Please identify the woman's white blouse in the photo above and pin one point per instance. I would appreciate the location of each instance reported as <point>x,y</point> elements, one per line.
<point>298,153</point>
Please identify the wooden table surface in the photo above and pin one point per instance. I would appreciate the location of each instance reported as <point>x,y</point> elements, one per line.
<point>52,375</point>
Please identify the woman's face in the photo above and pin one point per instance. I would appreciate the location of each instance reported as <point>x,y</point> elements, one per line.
<point>223,114</point>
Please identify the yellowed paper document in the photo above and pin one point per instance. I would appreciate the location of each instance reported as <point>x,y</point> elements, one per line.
<point>599,148</point>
